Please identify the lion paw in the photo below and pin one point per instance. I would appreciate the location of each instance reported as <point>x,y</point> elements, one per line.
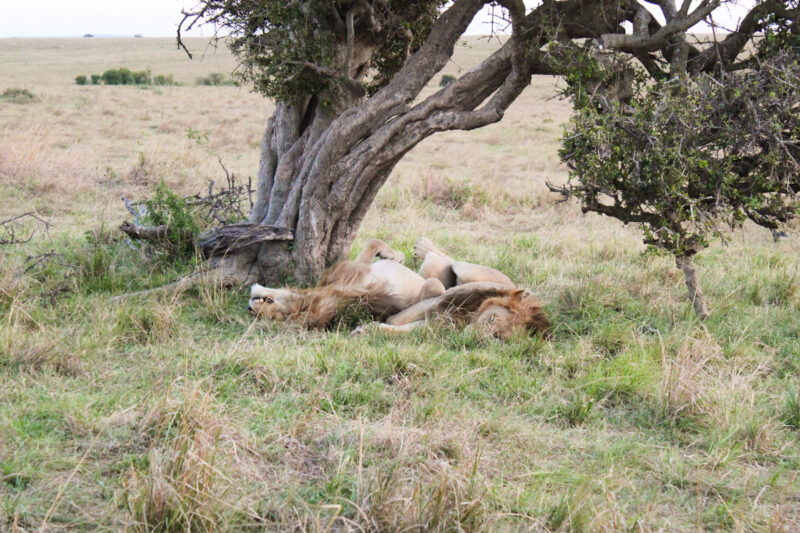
<point>399,257</point>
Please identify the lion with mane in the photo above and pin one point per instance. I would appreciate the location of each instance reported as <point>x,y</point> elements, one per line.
<point>402,299</point>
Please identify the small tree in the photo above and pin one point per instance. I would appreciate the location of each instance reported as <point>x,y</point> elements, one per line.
<point>80,79</point>
<point>688,158</point>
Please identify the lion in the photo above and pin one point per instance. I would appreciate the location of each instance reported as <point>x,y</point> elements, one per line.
<point>403,299</point>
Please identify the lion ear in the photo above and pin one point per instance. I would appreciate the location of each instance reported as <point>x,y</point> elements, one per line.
<point>516,296</point>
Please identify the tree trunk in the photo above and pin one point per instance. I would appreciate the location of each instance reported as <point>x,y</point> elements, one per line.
<point>686,265</point>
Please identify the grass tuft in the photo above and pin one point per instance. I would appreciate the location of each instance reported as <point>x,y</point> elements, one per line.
<point>181,487</point>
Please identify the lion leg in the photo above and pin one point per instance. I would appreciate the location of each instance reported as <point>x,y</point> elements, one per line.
<point>400,330</point>
<point>435,263</point>
<point>376,247</point>
<point>431,289</point>
<point>387,328</point>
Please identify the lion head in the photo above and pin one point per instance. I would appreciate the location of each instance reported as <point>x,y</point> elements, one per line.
<point>313,308</point>
<point>507,316</point>
<point>273,304</point>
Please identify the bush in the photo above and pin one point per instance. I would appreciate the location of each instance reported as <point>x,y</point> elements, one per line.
<point>446,80</point>
<point>112,77</point>
<point>142,77</point>
<point>80,80</point>
<point>161,79</point>
<point>126,76</point>
<point>15,95</point>
<point>215,79</point>
<point>167,208</point>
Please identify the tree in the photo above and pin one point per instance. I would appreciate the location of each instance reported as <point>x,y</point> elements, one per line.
<point>692,154</point>
<point>346,76</point>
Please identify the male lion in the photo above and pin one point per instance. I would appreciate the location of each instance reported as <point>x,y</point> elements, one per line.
<point>463,292</point>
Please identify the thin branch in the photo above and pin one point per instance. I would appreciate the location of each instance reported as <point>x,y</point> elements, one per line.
<point>8,228</point>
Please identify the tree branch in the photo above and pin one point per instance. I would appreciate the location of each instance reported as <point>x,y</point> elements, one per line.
<point>727,51</point>
<point>659,39</point>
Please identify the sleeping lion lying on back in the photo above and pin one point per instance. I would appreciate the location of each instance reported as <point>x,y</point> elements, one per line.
<point>403,299</point>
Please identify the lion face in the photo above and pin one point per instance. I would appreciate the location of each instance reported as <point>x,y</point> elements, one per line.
<point>508,316</point>
<point>273,304</point>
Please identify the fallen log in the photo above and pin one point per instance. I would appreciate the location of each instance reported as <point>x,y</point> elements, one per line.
<point>217,241</point>
<point>233,237</point>
<point>145,233</point>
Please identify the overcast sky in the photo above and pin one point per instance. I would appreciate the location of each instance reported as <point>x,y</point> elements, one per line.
<point>158,18</point>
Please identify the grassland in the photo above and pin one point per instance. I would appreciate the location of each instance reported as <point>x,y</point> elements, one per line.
<point>178,411</point>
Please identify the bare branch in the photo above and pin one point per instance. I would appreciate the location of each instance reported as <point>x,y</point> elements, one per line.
<point>9,228</point>
<point>727,51</point>
<point>193,17</point>
<point>660,39</point>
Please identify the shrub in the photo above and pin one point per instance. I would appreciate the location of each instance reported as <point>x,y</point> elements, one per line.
<point>161,79</point>
<point>181,218</point>
<point>215,79</point>
<point>112,77</point>
<point>142,77</point>
<point>80,80</point>
<point>15,95</point>
<point>126,76</point>
<point>446,80</point>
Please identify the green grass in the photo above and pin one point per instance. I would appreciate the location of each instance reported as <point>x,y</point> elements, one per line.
<point>178,411</point>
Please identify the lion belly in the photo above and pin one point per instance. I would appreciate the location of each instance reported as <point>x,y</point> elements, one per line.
<point>403,286</point>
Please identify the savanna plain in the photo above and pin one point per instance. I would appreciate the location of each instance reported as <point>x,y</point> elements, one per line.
<point>174,410</point>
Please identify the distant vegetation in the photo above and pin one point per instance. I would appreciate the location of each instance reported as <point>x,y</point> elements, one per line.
<point>126,76</point>
<point>15,95</point>
<point>215,78</point>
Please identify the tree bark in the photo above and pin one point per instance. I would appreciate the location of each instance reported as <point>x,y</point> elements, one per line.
<point>686,265</point>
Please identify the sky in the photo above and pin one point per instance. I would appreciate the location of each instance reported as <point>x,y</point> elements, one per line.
<point>158,18</point>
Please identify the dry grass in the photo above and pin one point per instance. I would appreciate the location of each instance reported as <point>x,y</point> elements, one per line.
<point>189,414</point>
